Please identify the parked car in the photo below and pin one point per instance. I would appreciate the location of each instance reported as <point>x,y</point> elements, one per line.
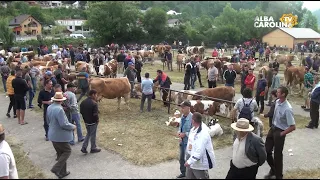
<point>76,36</point>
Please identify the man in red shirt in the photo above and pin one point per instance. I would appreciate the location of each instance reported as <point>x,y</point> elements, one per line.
<point>215,53</point>
<point>250,80</point>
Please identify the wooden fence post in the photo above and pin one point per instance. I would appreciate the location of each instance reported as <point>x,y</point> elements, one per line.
<point>169,101</point>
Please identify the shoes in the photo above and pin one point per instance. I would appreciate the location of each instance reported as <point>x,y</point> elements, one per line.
<point>270,176</point>
<point>59,175</point>
<point>47,139</point>
<point>84,150</point>
<point>303,107</point>
<point>81,140</point>
<point>15,116</point>
<point>96,150</point>
<point>201,86</point>
<point>24,123</point>
<point>181,176</point>
<point>30,107</point>
<point>71,143</point>
<point>8,115</point>
<point>310,127</point>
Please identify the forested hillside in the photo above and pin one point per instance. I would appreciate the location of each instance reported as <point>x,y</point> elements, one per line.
<point>207,21</point>
<point>317,15</point>
<point>233,20</point>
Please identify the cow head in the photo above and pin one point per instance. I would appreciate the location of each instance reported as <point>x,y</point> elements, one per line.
<point>212,122</point>
<point>90,68</point>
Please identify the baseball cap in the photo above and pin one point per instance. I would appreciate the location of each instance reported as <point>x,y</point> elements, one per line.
<point>130,63</point>
<point>70,85</point>
<point>185,103</point>
<point>48,73</point>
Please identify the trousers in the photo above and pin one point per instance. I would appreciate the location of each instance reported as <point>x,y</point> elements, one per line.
<point>275,142</point>
<point>63,150</point>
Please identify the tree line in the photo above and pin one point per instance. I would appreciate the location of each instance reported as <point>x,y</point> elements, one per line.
<point>207,21</point>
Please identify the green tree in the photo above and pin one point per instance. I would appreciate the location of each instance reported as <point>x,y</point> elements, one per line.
<point>154,22</point>
<point>36,13</point>
<point>309,21</point>
<point>6,34</point>
<point>112,20</point>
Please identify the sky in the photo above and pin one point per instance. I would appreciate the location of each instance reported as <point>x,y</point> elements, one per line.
<point>311,5</point>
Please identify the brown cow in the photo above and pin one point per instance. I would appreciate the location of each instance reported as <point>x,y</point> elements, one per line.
<point>281,58</point>
<point>236,67</point>
<point>137,87</point>
<point>109,69</point>
<point>294,75</point>
<point>181,58</point>
<point>80,64</point>
<point>264,71</point>
<point>44,63</point>
<point>217,63</point>
<point>13,65</point>
<point>221,92</point>
<point>111,88</point>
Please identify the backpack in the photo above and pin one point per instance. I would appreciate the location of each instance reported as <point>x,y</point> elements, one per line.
<point>246,111</point>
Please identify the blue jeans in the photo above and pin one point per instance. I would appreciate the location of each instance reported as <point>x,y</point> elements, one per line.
<point>182,160</point>
<point>31,96</point>
<point>193,80</point>
<point>75,118</point>
<point>34,84</point>
<point>4,82</point>
<point>229,84</point>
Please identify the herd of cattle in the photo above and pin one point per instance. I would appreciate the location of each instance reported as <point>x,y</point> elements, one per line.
<point>113,87</point>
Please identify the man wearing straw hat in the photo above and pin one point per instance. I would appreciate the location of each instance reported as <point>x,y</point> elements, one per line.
<point>248,152</point>
<point>60,133</point>
<point>8,166</point>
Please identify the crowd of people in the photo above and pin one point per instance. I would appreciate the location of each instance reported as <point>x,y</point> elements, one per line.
<point>61,114</point>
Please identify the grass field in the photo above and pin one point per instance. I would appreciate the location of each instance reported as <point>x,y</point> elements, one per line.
<point>26,168</point>
<point>302,174</point>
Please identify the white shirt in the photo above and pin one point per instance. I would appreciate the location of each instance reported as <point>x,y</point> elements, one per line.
<point>198,144</point>
<point>239,157</point>
<point>7,162</point>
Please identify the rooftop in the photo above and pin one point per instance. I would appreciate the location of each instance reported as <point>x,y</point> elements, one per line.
<point>301,33</point>
<point>18,19</point>
<point>172,21</point>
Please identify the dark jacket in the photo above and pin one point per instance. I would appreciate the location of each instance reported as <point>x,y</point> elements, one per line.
<point>315,96</point>
<point>243,76</point>
<point>275,65</point>
<point>230,76</point>
<point>89,111</point>
<point>138,65</point>
<point>261,85</point>
<point>255,149</point>
<point>121,57</point>
<point>20,86</point>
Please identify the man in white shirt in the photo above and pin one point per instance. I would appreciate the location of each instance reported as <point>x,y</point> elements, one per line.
<point>199,153</point>
<point>248,152</point>
<point>8,168</point>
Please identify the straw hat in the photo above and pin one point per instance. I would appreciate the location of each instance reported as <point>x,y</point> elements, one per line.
<point>242,125</point>
<point>1,129</point>
<point>58,97</point>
